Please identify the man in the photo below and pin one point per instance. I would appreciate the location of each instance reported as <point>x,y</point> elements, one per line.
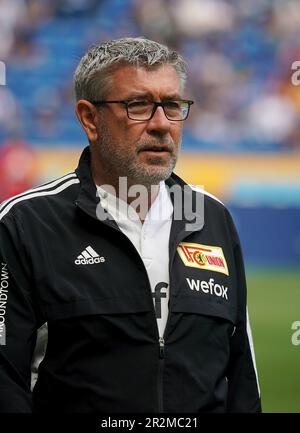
<point>145,298</point>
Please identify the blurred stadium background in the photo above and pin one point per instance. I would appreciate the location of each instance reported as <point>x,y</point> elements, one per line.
<point>242,141</point>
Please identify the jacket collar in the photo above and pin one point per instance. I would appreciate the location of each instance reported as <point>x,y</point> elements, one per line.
<point>188,204</point>
<point>87,199</point>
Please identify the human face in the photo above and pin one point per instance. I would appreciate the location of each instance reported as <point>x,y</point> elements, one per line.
<point>143,151</point>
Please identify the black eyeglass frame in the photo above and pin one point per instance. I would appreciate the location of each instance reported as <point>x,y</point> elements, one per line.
<point>155,105</point>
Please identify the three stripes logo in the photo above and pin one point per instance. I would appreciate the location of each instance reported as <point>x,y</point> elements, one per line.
<point>89,257</point>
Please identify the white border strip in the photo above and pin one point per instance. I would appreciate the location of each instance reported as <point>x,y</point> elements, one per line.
<point>38,194</point>
<point>249,333</point>
<point>198,189</point>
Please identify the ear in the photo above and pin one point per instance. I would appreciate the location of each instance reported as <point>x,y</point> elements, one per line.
<point>88,115</point>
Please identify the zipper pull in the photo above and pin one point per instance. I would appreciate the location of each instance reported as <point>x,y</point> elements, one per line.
<point>161,347</point>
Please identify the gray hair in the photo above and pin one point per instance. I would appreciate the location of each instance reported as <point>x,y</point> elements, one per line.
<point>92,77</point>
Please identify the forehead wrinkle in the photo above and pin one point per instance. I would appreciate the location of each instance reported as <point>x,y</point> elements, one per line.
<point>138,82</point>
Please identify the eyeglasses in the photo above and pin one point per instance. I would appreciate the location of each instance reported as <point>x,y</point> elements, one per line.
<point>176,110</point>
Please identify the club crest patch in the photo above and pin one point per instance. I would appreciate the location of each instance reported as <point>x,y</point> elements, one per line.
<point>203,257</point>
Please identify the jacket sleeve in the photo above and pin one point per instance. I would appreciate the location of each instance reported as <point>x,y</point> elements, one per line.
<point>243,386</point>
<point>18,322</point>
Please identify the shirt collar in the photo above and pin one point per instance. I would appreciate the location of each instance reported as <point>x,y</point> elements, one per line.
<point>160,210</point>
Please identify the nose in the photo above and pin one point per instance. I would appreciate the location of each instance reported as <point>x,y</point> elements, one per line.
<point>158,123</point>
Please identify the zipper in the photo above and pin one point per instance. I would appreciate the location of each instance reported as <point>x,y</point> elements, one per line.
<point>161,342</point>
<point>161,347</point>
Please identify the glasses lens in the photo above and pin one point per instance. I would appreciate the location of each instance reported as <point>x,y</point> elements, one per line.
<point>176,110</point>
<point>140,110</point>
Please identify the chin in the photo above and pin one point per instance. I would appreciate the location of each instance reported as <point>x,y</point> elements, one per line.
<point>154,176</point>
<point>151,173</point>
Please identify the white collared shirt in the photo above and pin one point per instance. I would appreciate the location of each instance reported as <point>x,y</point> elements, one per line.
<point>151,240</point>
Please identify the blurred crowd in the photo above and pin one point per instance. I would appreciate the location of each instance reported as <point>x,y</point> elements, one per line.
<point>239,55</point>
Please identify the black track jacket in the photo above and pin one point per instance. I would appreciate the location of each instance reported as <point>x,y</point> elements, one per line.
<point>104,352</point>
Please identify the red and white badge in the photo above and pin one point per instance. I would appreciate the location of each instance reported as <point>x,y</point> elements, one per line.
<point>203,257</point>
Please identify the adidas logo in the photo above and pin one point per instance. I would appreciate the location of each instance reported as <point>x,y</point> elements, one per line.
<point>89,257</point>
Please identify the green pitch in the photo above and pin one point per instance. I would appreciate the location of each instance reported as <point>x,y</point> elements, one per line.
<point>274,304</point>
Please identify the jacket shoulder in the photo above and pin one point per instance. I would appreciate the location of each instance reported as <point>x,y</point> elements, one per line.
<point>215,201</point>
<point>37,195</point>
<point>216,208</point>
